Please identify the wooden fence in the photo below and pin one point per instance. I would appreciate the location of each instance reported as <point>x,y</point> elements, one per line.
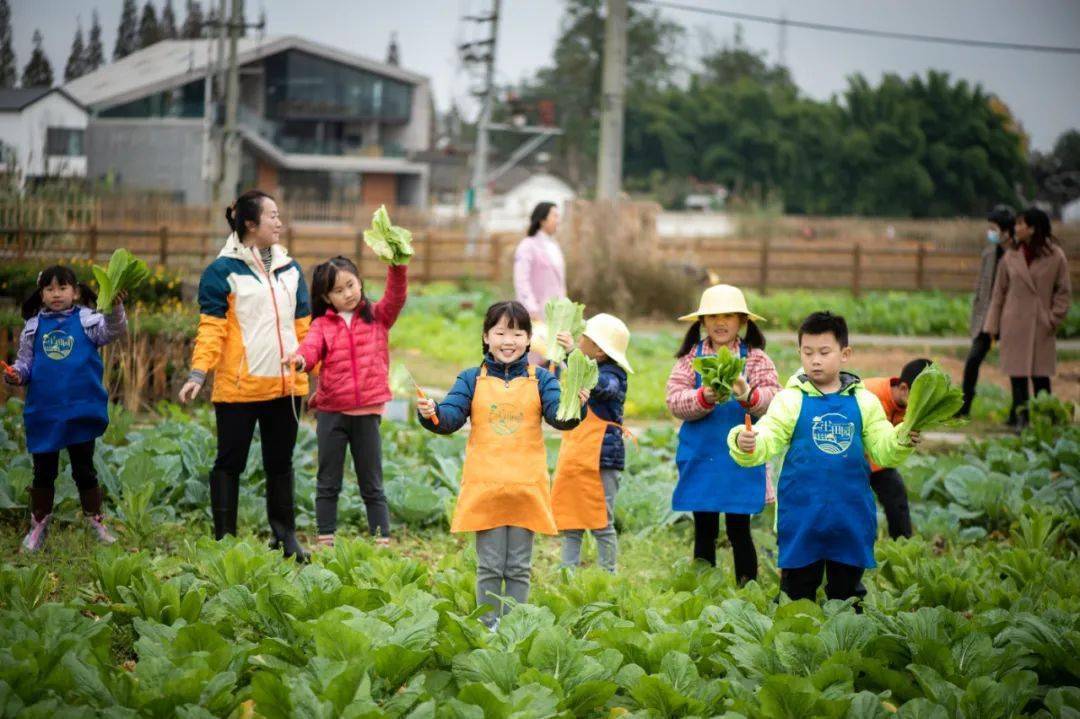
<point>764,263</point>
<point>440,254</point>
<point>769,263</point>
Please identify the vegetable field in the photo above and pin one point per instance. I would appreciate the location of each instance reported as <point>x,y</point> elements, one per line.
<point>977,616</point>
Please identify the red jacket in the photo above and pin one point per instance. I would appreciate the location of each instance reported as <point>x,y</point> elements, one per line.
<point>356,358</point>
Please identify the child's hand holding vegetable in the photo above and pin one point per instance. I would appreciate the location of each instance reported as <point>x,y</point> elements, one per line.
<point>746,441</point>
<point>709,394</point>
<point>583,395</point>
<point>426,407</point>
<point>565,340</point>
<point>740,389</point>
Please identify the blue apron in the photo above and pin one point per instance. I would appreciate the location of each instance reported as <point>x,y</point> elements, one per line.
<point>709,479</point>
<point>825,509</point>
<point>66,402</point>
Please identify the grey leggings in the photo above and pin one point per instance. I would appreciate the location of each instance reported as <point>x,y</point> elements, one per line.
<point>360,434</point>
<point>607,542</point>
<point>503,556</point>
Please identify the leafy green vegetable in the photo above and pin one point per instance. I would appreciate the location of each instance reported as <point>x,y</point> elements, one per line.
<point>391,243</point>
<point>719,371</point>
<point>933,401</point>
<point>580,373</point>
<point>125,272</point>
<point>562,315</point>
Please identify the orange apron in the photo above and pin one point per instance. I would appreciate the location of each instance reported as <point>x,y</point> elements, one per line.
<point>505,479</point>
<point>578,495</point>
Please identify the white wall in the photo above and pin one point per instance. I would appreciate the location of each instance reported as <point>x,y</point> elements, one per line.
<point>415,135</point>
<point>512,209</point>
<point>26,132</point>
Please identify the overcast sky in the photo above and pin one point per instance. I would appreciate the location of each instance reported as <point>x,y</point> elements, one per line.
<point>1043,90</point>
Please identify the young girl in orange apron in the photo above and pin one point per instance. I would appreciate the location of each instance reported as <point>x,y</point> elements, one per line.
<point>504,488</point>
<point>592,455</point>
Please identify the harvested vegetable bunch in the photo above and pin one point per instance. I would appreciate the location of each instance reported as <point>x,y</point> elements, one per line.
<point>580,373</point>
<point>933,401</point>
<point>391,243</point>
<point>124,273</point>
<point>562,315</point>
<point>719,371</point>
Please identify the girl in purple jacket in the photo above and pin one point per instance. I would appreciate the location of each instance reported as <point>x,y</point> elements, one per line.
<point>349,336</point>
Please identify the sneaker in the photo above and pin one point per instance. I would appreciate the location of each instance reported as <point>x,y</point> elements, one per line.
<point>97,524</point>
<point>382,541</point>
<point>324,541</point>
<point>35,538</point>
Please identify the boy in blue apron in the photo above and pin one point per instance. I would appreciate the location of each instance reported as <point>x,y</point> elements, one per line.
<point>824,424</point>
<point>66,404</point>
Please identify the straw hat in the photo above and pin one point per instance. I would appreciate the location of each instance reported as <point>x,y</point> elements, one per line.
<point>610,334</point>
<point>721,300</point>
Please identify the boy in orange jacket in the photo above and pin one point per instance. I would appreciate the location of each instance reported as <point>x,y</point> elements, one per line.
<point>886,482</point>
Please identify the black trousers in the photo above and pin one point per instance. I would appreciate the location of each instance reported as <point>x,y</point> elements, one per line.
<point>1020,395</point>
<point>706,532</point>
<point>47,467</point>
<point>980,347</point>
<point>888,485</point>
<point>842,580</point>
<point>360,434</point>
<point>236,428</point>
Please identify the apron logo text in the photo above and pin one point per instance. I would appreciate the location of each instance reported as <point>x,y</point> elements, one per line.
<point>57,344</point>
<point>832,433</point>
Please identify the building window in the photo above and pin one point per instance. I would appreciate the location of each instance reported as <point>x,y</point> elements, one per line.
<point>184,101</point>
<point>64,142</point>
<point>300,86</point>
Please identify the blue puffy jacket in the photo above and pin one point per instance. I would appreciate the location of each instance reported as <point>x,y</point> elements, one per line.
<point>454,410</point>
<point>606,402</point>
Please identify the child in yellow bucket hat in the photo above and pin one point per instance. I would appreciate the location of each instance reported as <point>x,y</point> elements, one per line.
<point>710,483</point>
<point>592,455</point>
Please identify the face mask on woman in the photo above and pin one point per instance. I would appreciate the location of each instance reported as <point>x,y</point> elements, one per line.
<point>993,237</point>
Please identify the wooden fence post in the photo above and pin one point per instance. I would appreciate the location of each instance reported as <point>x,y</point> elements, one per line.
<point>920,267</point>
<point>93,243</point>
<point>163,245</point>
<point>20,239</point>
<point>358,251</point>
<point>856,270</point>
<point>428,255</point>
<point>495,258</point>
<point>763,278</point>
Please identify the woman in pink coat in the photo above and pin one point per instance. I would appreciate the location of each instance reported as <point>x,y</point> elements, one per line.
<point>539,272</point>
<point>1031,298</point>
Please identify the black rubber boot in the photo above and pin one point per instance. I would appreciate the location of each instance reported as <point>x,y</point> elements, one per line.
<point>224,500</point>
<point>41,501</point>
<point>91,500</point>
<point>281,513</point>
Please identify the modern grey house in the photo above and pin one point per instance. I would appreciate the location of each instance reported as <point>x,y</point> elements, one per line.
<point>317,123</point>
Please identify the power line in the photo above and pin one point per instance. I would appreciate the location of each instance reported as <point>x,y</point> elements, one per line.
<point>866,32</point>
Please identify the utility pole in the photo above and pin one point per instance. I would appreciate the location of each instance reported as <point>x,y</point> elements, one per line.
<point>226,79</point>
<point>477,186</point>
<point>609,170</point>
<point>230,146</point>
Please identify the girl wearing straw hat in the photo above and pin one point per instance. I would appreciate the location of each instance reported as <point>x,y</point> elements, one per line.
<point>592,454</point>
<point>710,483</point>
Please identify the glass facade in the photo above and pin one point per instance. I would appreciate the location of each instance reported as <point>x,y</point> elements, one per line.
<point>184,101</point>
<point>300,86</point>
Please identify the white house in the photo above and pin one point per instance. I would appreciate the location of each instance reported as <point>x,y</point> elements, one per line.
<point>510,210</point>
<point>41,133</point>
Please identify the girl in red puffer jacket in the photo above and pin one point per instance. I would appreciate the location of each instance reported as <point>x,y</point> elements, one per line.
<point>350,337</point>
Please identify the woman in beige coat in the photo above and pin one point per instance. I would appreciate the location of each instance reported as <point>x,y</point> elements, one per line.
<point>1030,301</point>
